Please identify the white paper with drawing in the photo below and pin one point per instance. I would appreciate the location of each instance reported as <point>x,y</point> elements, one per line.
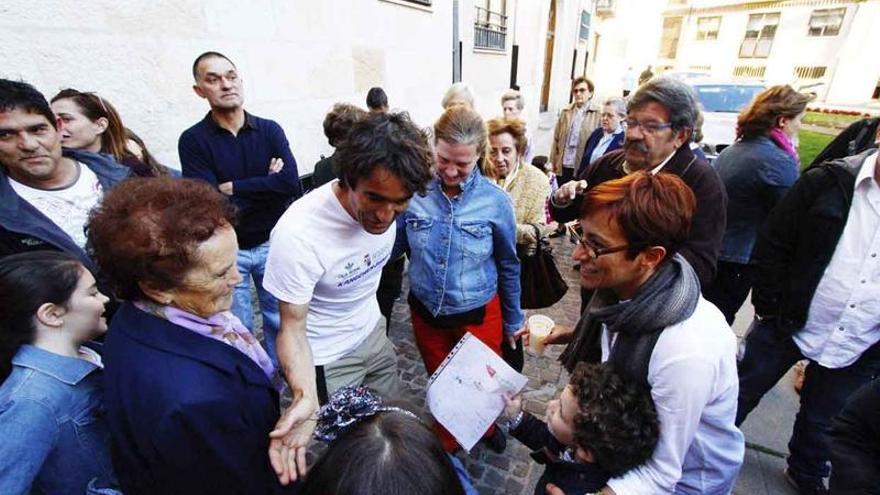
<point>465,393</point>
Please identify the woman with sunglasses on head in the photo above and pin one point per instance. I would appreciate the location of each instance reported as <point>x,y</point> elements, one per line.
<point>55,439</point>
<point>90,123</point>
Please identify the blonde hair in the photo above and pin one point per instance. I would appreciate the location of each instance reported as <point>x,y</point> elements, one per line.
<point>462,125</point>
<point>458,90</point>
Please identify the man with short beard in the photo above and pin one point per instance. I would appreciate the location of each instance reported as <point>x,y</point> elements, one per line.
<point>660,119</point>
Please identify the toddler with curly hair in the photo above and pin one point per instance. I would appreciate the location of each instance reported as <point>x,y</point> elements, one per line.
<point>600,426</point>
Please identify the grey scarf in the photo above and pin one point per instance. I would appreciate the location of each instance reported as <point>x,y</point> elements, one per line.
<point>668,297</point>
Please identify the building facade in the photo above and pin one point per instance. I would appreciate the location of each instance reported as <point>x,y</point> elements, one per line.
<point>815,45</point>
<point>297,57</point>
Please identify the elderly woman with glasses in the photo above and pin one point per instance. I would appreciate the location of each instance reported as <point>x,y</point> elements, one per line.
<point>608,136</point>
<point>191,395</point>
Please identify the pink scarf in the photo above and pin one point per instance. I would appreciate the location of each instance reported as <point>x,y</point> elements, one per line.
<point>782,140</point>
<point>224,327</point>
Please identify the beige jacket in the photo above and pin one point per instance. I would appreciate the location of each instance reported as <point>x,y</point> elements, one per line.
<point>528,189</point>
<point>560,134</point>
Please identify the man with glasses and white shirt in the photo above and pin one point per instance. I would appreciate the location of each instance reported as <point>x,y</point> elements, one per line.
<point>660,119</point>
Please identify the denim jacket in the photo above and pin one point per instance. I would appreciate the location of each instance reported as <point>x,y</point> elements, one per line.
<point>54,436</point>
<point>463,249</point>
<point>756,174</point>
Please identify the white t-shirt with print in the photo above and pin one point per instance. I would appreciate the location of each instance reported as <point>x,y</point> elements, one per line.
<point>67,207</point>
<point>321,256</point>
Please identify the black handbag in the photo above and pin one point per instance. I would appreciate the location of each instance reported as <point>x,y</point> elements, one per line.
<point>542,285</point>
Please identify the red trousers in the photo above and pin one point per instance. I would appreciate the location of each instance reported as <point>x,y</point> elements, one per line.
<point>435,343</point>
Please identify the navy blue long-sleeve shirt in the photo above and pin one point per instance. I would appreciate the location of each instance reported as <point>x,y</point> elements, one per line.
<point>212,153</point>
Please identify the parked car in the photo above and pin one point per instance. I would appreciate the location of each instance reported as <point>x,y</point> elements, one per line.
<point>721,103</point>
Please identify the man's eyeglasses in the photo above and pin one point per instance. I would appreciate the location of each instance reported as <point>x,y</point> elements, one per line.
<point>576,236</point>
<point>580,90</point>
<point>647,127</point>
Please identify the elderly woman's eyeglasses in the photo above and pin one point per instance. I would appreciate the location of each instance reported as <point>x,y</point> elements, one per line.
<point>576,236</point>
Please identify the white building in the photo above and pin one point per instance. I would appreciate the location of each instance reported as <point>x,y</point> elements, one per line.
<point>297,57</point>
<point>820,45</point>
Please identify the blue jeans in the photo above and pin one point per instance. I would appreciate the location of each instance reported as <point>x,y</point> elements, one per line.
<point>769,355</point>
<point>252,264</point>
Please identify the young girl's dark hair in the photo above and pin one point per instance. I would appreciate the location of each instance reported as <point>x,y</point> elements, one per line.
<point>27,281</point>
<point>389,453</point>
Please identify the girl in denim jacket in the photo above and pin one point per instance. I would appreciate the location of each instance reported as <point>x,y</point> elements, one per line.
<point>55,440</point>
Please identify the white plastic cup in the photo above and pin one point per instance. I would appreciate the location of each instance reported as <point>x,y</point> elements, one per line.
<point>540,327</point>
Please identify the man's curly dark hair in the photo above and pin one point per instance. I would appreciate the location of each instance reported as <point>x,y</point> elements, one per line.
<point>616,420</point>
<point>389,140</point>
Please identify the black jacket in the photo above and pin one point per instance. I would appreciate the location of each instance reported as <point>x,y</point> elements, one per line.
<point>710,218</point>
<point>855,444</point>
<point>571,477</point>
<point>797,240</point>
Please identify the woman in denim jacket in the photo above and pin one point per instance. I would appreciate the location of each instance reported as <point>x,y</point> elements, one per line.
<point>461,237</point>
<point>55,440</point>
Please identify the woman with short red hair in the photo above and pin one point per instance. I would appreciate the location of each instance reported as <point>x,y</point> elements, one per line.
<point>648,322</point>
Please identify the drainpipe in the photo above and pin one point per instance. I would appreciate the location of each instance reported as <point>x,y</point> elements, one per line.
<point>456,45</point>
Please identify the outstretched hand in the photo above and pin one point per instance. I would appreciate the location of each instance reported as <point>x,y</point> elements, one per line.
<point>290,439</point>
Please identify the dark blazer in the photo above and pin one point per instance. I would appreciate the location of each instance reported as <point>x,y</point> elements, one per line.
<point>796,242</point>
<point>593,141</point>
<point>707,227</point>
<point>187,414</point>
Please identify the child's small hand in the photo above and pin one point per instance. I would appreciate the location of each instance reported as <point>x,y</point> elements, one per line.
<point>512,406</point>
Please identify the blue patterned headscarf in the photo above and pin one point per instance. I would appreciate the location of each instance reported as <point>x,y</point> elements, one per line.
<point>346,407</point>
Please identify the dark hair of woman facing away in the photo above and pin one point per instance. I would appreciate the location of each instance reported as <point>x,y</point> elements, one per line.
<point>389,453</point>
<point>27,281</point>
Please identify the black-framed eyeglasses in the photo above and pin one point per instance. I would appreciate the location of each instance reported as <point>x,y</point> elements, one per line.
<point>576,236</point>
<point>646,127</point>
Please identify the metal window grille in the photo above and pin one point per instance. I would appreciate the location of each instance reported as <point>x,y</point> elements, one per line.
<point>805,72</point>
<point>749,71</point>
<point>490,29</point>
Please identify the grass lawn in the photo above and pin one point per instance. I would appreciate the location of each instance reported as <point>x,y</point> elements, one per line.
<point>811,143</point>
<point>830,120</point>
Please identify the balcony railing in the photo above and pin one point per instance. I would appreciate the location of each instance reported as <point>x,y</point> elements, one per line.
<point>490,29</point>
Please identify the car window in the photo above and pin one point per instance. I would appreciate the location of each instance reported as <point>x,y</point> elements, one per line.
<point>726,97</point>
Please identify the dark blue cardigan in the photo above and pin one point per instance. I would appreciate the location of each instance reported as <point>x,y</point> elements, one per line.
<point>592,142</point>
<point>188,414</point>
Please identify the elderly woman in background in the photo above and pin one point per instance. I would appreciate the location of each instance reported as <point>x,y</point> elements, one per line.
<point>757,170</point>
<point>461,236</point>
<point>607,137</point>
<point>191,395</point>
<point>458,94</point>
<point>92,124</point>
<point>512,105</point>
<point>528,189</point>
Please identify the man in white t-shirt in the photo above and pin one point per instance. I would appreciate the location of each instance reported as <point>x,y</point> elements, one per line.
<point>325,260</point>
<point>46,192</point>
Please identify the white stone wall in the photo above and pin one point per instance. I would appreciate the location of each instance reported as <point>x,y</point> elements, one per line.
<point>297,57</point>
